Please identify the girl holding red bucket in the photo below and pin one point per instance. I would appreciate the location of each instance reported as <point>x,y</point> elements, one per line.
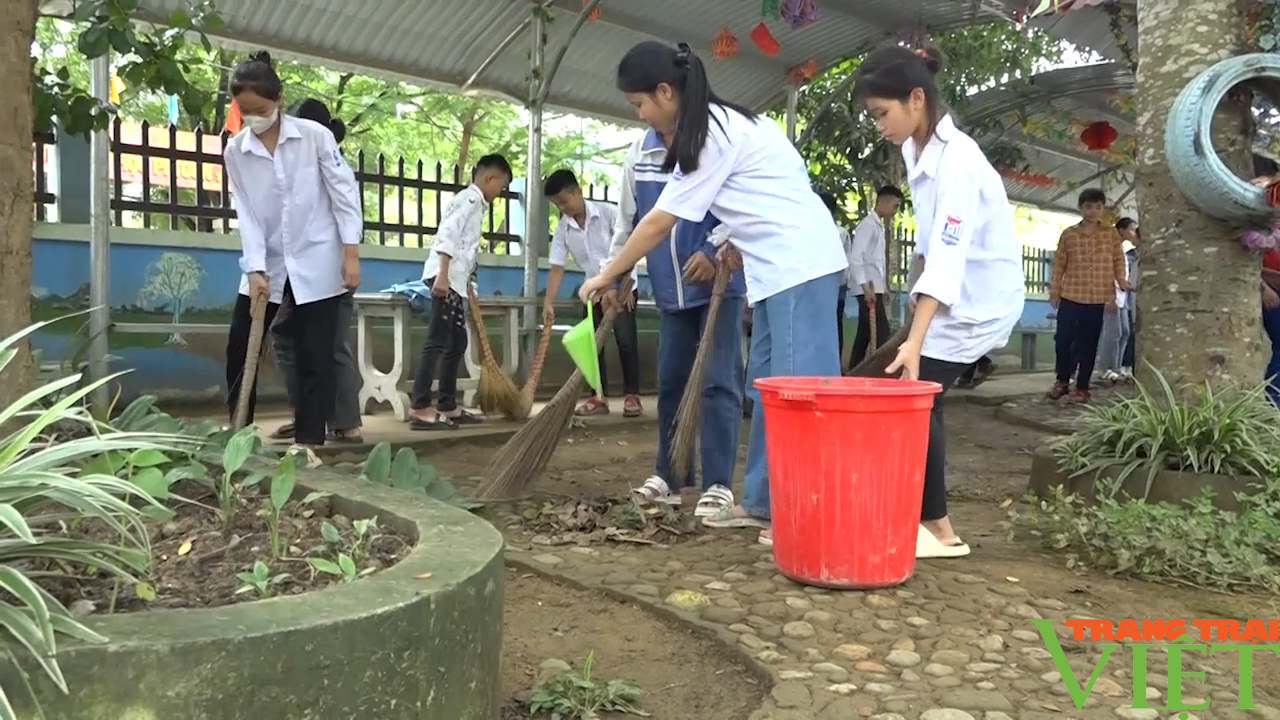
<point>744,170</point>
<point>967,293</point>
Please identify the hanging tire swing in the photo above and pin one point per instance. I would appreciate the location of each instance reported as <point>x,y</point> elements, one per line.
<point>1188,144</point>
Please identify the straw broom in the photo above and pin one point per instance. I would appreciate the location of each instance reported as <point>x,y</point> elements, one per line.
<point>527,453</point>
<point>496,394</point>
<point>684,437</point>
<point>879,359</point>
<point>257,327</point>
<point>524,405</point>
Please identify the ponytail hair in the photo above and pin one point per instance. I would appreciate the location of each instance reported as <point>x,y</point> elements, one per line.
<point>257,74</point>
<point>652,63</point>
<point>316,111</point>
<point>894,72</point>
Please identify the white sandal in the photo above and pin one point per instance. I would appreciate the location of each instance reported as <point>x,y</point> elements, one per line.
<point>929,546</point>
<point>715,499</point>
<point>307,455</point>
<point>655,490</point>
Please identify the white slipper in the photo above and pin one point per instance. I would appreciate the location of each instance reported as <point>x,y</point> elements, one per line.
<point>716,498</point>
<point>928,546</point>
<point>655,490</point>
<point>766,540</point>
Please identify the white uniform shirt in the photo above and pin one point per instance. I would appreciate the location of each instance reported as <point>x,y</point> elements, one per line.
<point>753,179</point>
<point>972,255</point>
<point>458,236</point>
<point>590,245</point>
<point>846,241</point>
<point>296,208</point>
<point>867,259</point>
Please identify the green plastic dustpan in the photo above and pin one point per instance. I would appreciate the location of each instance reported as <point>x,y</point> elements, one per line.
<point>580,341</point>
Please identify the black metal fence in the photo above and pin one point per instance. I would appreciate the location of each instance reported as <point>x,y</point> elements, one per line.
<point>164,178</point>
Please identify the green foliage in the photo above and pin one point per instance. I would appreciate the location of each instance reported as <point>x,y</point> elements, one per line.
<point>144,59</point>
<point>562,694</point>
<point>49,482</point>
<point>260,580</point>
<point>1196,430</point>
<point>406,473</point>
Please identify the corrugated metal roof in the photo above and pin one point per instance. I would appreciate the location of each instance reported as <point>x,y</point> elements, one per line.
<point>445,41</point>
<point>1086,94</point>
<point>1091,27</point>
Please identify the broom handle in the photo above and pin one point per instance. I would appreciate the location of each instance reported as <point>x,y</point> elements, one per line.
<point>248,376</point>
<point>611,314</point>
<point>875,335</point>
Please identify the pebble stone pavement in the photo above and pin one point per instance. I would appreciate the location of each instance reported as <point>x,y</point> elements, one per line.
<point>947,645</point>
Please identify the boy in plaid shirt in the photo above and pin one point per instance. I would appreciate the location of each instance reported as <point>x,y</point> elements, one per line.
<point>1087,267</point>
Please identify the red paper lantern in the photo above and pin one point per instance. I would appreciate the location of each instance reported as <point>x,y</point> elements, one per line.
<point>1099,136</point>
<point>764,39</point>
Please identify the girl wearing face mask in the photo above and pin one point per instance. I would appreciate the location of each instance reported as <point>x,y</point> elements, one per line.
<point>968,292</point>
<point>742,168</point>
<point>300,226</point>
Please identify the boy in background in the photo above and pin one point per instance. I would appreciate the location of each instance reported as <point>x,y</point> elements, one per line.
<point>1087,268</point>
<point>867,266</point>
<point>447,272</point>
<point>585,231</point>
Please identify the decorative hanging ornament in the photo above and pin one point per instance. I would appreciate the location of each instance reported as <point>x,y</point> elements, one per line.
<point>798,13</point>
<point>594,14</point>
<point>725,45</point>
<point>1273,193</point>
<point>764,39</point>
<point>1099,136</point>
<point>803,72</point>
<point>234,119</point>
<point>768,9</point>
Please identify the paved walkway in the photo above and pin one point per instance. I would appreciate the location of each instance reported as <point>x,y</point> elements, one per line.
<point>950,644</point>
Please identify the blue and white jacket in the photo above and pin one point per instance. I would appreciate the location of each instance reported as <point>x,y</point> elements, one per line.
<point>642,184</point>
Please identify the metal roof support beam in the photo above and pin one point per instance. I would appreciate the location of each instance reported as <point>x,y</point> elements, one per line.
<point>1091,178</point>
<point>535,223</point>
<point>507,42</point>
<point>793,108</point>
<point>99,240</point>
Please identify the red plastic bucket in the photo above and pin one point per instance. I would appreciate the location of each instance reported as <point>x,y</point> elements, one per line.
<point>846,476</point>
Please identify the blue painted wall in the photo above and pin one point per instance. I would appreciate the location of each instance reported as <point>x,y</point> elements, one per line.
<point>179,282</point>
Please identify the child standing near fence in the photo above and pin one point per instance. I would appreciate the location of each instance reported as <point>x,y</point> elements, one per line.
<point>447,272</point>
<point>743,169</point>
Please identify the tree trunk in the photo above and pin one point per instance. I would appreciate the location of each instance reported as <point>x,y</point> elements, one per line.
<point>464,141</point>
<point>1198,294</point>
<point>17,192</point>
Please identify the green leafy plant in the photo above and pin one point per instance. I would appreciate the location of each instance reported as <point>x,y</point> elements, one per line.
<point>43,490</point>
<point>282,484</point>
<point>343,566</point>
<point>1218,432</point>
<point>260,580</point>
<point>407,473</point>
<point>562,694</point>
<point>238,450</point>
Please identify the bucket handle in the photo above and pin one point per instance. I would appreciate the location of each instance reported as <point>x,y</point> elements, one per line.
<point>797,396</point>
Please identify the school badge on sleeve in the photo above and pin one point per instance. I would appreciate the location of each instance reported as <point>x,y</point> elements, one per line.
<point>951,230</point>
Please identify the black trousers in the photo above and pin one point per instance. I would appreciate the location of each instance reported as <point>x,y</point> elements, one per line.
<point>312,328</point>
<point>934,506</point>
<point>238,345</point>
<point>840,301</point>
<point>1129,349</point>
<point>862,340</point>
<point>1075,343</point>
<point>445,346</point>
<point>983,363</point>
<point>627,337</point>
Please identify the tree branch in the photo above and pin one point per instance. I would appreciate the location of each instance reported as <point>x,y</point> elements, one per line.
<point>550,73</point>
<point>827,102</point>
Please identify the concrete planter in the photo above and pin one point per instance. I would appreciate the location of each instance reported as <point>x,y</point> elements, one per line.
<point>1169,486</point>
<point>422,639</point>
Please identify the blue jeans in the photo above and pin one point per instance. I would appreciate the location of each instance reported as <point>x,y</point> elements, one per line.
<point>721,416</point>
<point>1271,323</point>
<point>790,337</point>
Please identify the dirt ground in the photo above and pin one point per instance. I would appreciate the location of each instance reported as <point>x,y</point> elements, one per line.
<point>682,675</point>
<point>989,461</point>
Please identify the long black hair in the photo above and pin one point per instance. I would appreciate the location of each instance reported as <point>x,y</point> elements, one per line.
<point>258,75</point>
<point>316,111</point>
<point>650,64</point>
<point>893,72</point>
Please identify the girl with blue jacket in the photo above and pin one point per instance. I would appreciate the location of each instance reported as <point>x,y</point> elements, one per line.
<point>681,270</point>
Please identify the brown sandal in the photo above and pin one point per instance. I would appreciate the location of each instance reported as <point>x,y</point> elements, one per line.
<point>284,432</point>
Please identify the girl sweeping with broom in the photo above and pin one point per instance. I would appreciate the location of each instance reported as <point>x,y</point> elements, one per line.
<point>969,293</point>
<point>727,161</point>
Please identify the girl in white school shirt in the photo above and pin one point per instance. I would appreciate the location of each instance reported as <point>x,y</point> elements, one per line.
<point>969,291</point>
<point>300,228</point>
<point>744,170</point>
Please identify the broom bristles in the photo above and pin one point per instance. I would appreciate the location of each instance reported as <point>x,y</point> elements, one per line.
<point>496,394</point>
<point>684,436</point>
<point>876,362</point>
<point>525,402</point>
<point>527,453</point>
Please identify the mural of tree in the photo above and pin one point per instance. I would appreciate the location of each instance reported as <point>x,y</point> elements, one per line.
<point>172,281</point>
